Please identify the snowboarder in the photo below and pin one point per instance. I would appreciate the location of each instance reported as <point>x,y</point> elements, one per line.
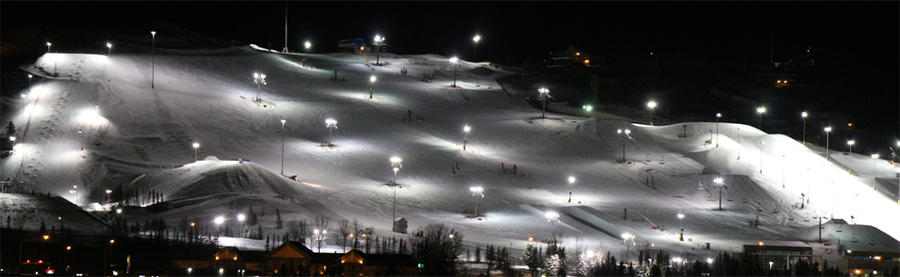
<point>371,90</point>
<point>570,197</point>
<point>457,164</point>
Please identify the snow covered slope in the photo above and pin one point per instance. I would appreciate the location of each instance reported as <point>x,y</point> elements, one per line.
<point>133,135</point>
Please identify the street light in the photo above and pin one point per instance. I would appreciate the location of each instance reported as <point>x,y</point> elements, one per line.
<point>331,124</point>
<point>108,48</point>
<point>651,105</point>
<point>48,46</point>
<point>372,80</point>
<point>196,146</point>
<point>850,144</point>
<point>466,130</point>
<point>874,160</point>
<point>241,217</point>
<point>625,133</point>
<point>29,79</point>
<point>283,121</point>
<point>475,41</point>
<point>219,220</point>
<point>379,42</point>
<point>720,183</point>
<point>804,115</point>
<point>307,45</point>
<point>761,110</point>
<point>108,192</point>
<point>551,216</point>
<point>396,164</point>
<point>543,93</point>
<point>571,179</point>
<point>152,58</point>
<point>718,116</point>
<point>827,132</point>
<point>455,61</point>
<point>476,192</point>
<point>260,80</point>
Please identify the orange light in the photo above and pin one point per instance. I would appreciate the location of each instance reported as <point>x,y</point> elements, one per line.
<point>46,237</point>
<point>217,258</point>
<point>587,61</point>
<point>362,48</point>
<point>40,261</point>
<point>877,258</point>
<point>68,248</point>
<point>577,53</point>
<point>342,261</point>
<point>193,224</point>
<point>27,261</point>
<point>850,124</point>
<point>360,261</point>
<point>785,82</point>
<point>235,258</point>
<point>760,243</point>
<point>112,241</point>
<point>857,271</point>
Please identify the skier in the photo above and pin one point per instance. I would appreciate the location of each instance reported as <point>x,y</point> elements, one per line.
<point>515,168</point>
<point>570,197</point>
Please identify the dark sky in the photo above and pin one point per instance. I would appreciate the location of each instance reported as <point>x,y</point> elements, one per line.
<point>856,43</point>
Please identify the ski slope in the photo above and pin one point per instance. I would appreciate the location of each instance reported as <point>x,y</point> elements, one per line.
<point>135,136</point>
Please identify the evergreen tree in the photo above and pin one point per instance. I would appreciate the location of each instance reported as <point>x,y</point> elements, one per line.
<point>531,258</point>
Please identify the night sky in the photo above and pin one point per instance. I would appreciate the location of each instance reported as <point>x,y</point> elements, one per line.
<point>856,44</point>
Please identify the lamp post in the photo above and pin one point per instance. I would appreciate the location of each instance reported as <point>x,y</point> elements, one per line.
<point>681,223</point>
<point>804,115</point>
<point>455,61</point>
<point>761,110</point>
<point>850,144</point>
<point>718,116</point>
<point>283,121</point>
<point>551,216</point>
<point>196,146</point>
<point>827,132</point>
<point>396,164</point>
<point>651,105</point>
<point>625,133</point>
<point>331,124</point>
<point>543,93</point>
<point>372,80</point>
<point>466,130</point>
<point>108,48</point>
<point>874,157</point>
<point>29,79</point>
<point>379,42</point>
<point>720,183</point>
<point>475,40</point>
<point>477,192</point>
<point>48,46</point>
<point>260,80</point>
<point>152,58</point>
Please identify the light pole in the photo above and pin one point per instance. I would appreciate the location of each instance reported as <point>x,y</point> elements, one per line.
<point>466,130</point>
<point>804,115</point>
<point>718,116</point>
<point>455,61</point>
<point>319,236</point>
<point>477,192</point>
<point>108,48</point>
<point>152,58</point>
<point>331,124</point>
<point>48,46</point>
<point>850,144</point>
<point>283,121</point>
<point>108,192</point>
<point>827,132</point>
<point>372,80</point>
<point>74,192</point>
<point>379,42</point>
<point>551,216</point>
<point>260,80</point>
<point>196,146</point>
<point>651,105</point>
<point>874,157</point>
<point>543,93</point>
<point>681,223</point>
<point>720,183</point>
<point>761,110</point>
<point>475,41</point>
<point>625,133</point>
<point>396,164</point>
<point>29,79</point>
